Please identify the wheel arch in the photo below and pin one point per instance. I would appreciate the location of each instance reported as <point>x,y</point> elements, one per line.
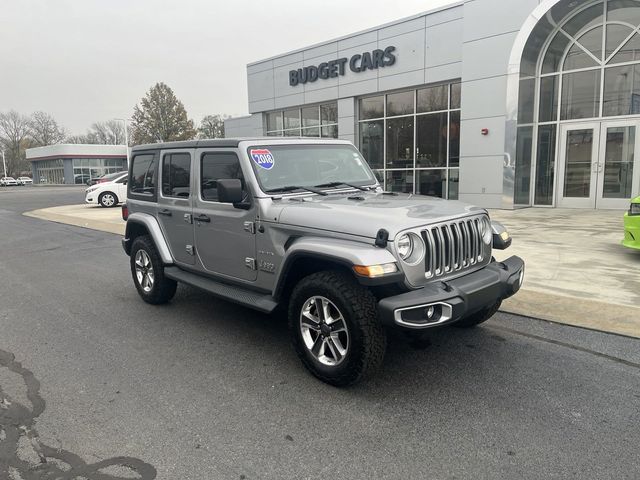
<point>309,255</point>
<point>145,224</point>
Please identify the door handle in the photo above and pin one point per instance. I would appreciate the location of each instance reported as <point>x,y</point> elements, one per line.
<point>202,218</point>
<point>166,212</point>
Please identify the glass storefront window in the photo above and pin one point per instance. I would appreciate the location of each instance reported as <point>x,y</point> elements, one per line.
<point>410,150</point>
<point>400,104</point>
<point>432,183</point>
<point>454,180</point>
<point>545,164</point>
<point>431,140</point>
<point>399,142</point>
<point>623,11</point>
<point>400,180</point>
<point>433,99</point>
<point>524,146</point>
<point>618,162</point>
<point>310,117</point>
<point>621,91</point>
<point>329,113</point>
<point>580,95</point>
<point>456,94</point>
<point>526,96</point>
<point>304,121</point>
<point>548,99</point>
<point>372,142</point>
<point>454,139</point>
<point>372,107</point>
<point>274,121</point>
<point>630,52</point>
<point>291,118</point>
<point>555,52</point>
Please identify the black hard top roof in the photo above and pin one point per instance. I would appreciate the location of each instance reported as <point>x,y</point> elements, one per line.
<point>214,143</point>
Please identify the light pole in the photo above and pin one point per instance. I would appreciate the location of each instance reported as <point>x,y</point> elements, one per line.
<point>126,137</point>
<point>4,163</point>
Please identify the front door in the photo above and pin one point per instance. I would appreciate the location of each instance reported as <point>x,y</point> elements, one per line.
<point>596,164</point>
<point>224,235</point>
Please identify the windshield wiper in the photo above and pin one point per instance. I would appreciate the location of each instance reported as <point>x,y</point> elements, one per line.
<point>337,184</point>
<point>291,188</point>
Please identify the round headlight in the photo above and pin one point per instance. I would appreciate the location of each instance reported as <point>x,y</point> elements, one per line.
<point>404,245</point>
<point>411,248</point>
<point>487,233</point>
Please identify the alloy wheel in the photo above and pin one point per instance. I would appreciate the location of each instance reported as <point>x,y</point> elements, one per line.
<point>324,331</point>
<point>144,270</point>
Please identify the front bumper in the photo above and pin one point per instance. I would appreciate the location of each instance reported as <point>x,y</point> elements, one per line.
<point>631,231</point>
<point>454,299</point>
<point>91,198</point>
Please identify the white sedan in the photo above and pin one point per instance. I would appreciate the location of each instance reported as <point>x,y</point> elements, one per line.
<point>25,181</point>
<point>8,181</point>
<point>108,194</point>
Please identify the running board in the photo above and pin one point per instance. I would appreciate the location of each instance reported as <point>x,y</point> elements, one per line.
<point>248,298</point>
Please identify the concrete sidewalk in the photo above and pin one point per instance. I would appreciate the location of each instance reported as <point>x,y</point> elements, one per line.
<point>576,270</point>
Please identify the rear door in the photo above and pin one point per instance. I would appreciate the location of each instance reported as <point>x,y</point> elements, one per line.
<point>175,203</point>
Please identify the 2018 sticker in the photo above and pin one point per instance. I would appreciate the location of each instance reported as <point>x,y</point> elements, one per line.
<point>263,158</point>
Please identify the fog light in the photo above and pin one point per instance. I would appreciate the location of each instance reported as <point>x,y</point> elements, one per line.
<point>431,311</point>
<point>521,279</point>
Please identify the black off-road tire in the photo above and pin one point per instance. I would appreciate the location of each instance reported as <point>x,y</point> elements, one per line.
<point>101,200</point>
<point>478,317</point>
<point>367,337</point>
<point>163,288</point>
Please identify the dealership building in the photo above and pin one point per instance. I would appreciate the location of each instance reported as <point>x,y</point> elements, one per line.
<point>75,164</point>
<point>504,104</point>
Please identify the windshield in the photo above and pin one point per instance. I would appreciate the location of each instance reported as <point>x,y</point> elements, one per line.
<point>299,165</point>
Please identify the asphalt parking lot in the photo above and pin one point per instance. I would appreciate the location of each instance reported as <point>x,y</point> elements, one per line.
<point>202,389</point>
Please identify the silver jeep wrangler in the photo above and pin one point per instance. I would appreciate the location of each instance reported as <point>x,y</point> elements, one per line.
<point>303,224</point>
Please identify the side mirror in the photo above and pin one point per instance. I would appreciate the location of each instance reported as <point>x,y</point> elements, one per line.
<point>229,190</point>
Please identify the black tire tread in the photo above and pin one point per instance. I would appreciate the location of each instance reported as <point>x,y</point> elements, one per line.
<point>163,288</point>
<point>363,307</point>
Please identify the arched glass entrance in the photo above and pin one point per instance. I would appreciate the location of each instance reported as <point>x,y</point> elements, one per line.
<point>579,109</point>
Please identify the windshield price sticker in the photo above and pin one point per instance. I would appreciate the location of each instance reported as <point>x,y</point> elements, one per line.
<point>263,158</point>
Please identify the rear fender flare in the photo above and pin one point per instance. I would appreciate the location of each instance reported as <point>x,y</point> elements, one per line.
<point>152,226</point>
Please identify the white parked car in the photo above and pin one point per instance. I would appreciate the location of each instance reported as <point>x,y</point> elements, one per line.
<point>108,194</point>
<point>8,181</point>
<point>24,181</point>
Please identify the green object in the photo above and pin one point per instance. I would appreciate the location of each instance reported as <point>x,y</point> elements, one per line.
<point>632,225</point>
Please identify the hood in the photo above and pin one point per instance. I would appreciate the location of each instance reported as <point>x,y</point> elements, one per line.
<point>365,213</point>
<point>635,200</point>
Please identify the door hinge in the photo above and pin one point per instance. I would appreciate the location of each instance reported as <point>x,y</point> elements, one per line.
<point>189,249</point>
<point>250,263</point>
<point>188,218</point>
<point>250,227</point>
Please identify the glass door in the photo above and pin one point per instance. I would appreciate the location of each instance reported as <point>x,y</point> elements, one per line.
<point>578,165</point>
<point>618,180</point>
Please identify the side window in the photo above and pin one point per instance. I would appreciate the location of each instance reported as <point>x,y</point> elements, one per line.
<point>176,172</point>
<point>122,180</point>
<point>143,169</point>
<point>216,166</point>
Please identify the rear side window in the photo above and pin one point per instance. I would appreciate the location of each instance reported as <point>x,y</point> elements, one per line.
<point>143,175</point>
<point>216,166</point>
<point>176,173</point>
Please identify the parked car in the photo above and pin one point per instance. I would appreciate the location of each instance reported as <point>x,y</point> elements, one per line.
<point>632,225</point>
<point>24,181</point>
<point>104,178</point>
<point>304,225</point>
<point>8,182</point>
<point>80,179</point>
<point>108,194</point>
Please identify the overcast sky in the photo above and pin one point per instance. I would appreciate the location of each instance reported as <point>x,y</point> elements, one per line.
<point>92,60</point>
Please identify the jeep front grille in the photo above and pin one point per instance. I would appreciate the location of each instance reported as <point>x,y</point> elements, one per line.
<point>453,246</point>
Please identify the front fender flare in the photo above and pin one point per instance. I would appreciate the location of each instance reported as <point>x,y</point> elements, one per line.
<point>344,252</point>
<point>153,227</point>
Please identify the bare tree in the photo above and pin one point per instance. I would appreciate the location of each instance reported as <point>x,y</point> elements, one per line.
<point>110,132</point>
<point>212,126</point>
<point>45,130</point>
<point>15,130</point>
